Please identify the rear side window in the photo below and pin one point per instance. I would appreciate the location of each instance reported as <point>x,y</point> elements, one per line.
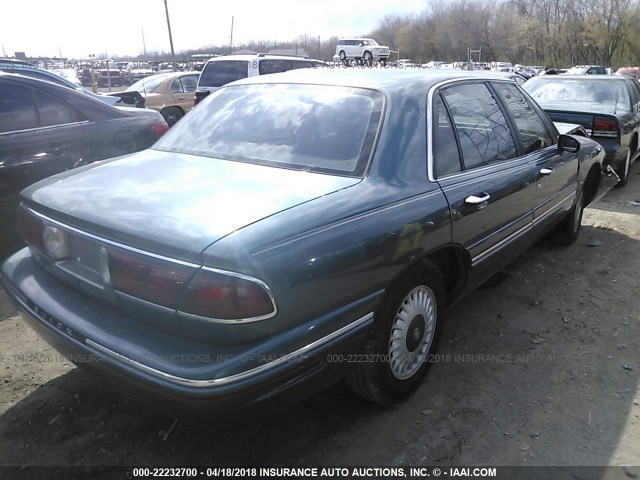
<point>189,83</point>
<point>533,133</point>
<point>52,111</point>
<point>446,159</point>
<point>219,73</point>
<point>483,132</point>
<point>274,66</point>
<point>17,108</point>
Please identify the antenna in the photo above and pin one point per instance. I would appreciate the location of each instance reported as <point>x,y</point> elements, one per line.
<point>231,37</point>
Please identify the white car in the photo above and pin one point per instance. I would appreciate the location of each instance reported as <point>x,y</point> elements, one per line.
<point>366,49</point>
<point>219,71</point>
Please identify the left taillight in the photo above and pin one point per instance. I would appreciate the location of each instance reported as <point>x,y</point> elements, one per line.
<point>225,296</point>
<point>31,228</point>
<point>160,129</point>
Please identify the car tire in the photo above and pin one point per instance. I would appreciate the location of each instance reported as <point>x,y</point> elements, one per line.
<point>398,351</point>
<point>568,230</point>
<point>342,55</point>
<point>367,57</point>
<point>623,173</point>
<point>172,115</point>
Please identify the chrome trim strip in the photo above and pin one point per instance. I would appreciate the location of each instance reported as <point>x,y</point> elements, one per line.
<point>178,262</point>
<point>500,245</point>
<point>552,210</point>
<point>231,378</point>
<point>111,242</point>
<point>517,234</point>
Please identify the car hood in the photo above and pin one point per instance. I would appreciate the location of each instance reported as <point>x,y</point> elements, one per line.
<point>174,204</point>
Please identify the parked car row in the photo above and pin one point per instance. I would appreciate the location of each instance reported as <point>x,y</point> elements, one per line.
<point>295,229</point>
<point>46,129</point>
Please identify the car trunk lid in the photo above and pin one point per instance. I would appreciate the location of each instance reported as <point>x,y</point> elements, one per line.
<point>174,204</point>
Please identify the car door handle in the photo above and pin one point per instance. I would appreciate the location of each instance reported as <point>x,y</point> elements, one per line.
<point>546,171</point>
<point>473,200</point>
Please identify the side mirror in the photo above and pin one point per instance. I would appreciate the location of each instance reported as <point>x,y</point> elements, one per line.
<point>567,143</point>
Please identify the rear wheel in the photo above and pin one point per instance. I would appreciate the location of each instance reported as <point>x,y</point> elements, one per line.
<point>406,330</point>
<point>623,172</point>
<point>172,115</point>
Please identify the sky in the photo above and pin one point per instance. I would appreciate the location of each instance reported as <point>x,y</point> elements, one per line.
<point>76,28</point>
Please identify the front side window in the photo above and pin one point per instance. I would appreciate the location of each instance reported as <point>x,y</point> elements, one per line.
<point>532,131</point>
<point>483,132</point>
<point>17,108</point>
<point>326,129</point>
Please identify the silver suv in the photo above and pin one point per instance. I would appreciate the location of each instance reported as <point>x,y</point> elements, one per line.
<point>366,49</point>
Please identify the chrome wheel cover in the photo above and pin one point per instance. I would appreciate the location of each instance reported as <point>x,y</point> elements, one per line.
<point>412,332</point>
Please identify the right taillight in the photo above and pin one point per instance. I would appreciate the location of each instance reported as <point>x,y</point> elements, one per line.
<point>604,127</point>
<point>226,296</point>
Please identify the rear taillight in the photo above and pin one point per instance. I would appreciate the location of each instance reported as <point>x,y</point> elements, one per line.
<point>199,96</point>
<point>160,129</point>
<point>31,228</point>
<point>148,278</point>
<point>604,127</point>
<point>227,297</point>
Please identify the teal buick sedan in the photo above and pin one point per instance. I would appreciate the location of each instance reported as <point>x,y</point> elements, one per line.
<point>295,229</point>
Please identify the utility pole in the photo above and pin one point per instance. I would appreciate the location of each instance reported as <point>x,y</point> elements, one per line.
<point>231,37</point>
<point>166,9</point>
<point>144,46</point>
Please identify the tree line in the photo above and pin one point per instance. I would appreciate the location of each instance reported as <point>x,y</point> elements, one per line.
<point>551,33</point>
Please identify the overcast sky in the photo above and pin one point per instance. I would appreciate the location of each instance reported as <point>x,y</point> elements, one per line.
<point>77,28</point>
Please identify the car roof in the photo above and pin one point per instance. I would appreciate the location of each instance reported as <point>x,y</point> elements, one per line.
<point>385,80</point>
<point>590,77</point>
<point>256,56</point>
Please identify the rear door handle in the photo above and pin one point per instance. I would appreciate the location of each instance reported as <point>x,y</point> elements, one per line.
<point>473,200</point>
<point>546,171</point>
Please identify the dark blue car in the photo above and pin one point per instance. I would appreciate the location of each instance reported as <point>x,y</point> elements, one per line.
<point>295,229</point>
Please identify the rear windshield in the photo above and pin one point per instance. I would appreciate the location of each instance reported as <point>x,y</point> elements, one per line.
<point>324,129</point>
<point>568,90</point>
<point>221,72</point>
<point>148,84</point>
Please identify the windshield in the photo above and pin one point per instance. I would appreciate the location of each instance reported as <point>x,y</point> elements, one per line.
<point>603,92</point>
<point>307,127</point>
<point>373,42</point>
<point>147,85</point>
<point>219,73</point>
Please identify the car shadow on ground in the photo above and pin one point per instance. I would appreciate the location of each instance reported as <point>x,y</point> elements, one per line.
<point>538,367</point>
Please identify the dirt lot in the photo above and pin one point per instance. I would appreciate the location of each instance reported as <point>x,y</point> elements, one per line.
<point>539,367</point>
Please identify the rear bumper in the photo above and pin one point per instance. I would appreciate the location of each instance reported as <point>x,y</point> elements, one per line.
<point>277,382</point>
